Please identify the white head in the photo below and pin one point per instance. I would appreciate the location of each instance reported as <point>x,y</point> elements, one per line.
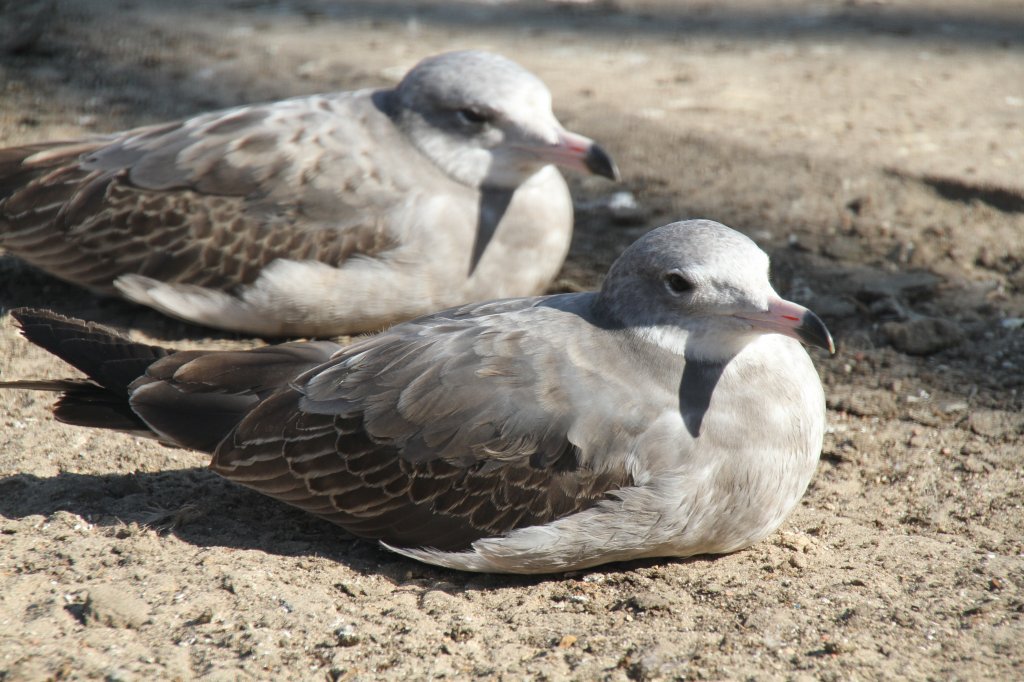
<point>701,289</point>
<point>486,121</point>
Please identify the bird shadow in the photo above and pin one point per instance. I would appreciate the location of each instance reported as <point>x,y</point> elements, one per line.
<point>23,286</point>
<point>192,504</point>
<point>204,510</point>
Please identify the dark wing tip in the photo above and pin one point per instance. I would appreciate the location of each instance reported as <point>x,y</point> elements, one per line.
<point>46,327</point>
<point>27,316</point>
<point>103,354</point>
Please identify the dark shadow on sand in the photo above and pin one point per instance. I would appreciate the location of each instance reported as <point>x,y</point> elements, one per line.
<point>204,510</point>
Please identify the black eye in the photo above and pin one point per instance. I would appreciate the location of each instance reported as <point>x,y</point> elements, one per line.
<point>473,116</point>
<point>677,283</point>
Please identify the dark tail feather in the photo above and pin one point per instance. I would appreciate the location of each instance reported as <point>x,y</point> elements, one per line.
<point>55,385</point>
<point>102,354</point>
<point>192,420</point>
<point>110,361</point>
<point>190,398</point>
<point>99,408</point>
<point>84,403</point>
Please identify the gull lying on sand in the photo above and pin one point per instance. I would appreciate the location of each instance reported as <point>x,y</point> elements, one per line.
<point>673,412</point>
<point>314,216</point>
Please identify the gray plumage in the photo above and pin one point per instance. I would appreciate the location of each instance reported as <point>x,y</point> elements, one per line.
<point>319,215</point>
<point>672,413</point>
<point>22,23</point>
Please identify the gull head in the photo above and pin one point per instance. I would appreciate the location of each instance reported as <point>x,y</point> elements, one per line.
<point>701,289</point>
<point>486,121</point>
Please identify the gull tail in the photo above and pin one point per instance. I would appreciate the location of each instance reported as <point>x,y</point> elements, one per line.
<point>106,357</point>
<point>111,362</point>
<point>191,399</point>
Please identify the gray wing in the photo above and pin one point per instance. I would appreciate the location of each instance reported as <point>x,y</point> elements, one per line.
<point>208,201</point>
<point>438,433</point>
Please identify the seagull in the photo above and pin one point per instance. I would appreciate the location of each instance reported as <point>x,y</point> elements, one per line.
<point>316,216</point>
<point>672,413</point>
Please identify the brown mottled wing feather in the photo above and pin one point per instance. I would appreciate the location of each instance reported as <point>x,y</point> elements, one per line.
<point>195,398</point>
<point>433,434</point>
<point>208,201</point>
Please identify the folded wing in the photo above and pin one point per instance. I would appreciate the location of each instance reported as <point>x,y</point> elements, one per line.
<point>208,201</point>
<point>452,432</point>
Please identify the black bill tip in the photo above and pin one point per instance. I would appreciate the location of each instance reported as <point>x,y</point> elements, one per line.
<point>600,163</point>
<point>813,332</point>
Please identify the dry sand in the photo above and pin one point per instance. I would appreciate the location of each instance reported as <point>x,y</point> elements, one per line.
<point>874,148</point>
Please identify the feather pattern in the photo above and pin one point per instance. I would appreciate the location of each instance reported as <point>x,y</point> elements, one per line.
<point>409,425</point>
<point>209,201</point>
<point>318,215</point>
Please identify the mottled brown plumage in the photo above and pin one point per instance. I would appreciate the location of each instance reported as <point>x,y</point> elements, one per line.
<point>74,212</point>
<point>375,490</point>
<point>393,481</point>
<point>318,215</point>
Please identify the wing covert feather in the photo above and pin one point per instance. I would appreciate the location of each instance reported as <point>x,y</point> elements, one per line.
<point>463,437</point>
<point>208,201</point>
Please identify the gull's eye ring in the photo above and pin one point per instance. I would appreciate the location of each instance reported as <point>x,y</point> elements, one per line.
<point>473,116</point>
<point>677,284</point>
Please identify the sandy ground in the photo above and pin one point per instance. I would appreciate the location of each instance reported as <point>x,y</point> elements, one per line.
<point>874,148</point>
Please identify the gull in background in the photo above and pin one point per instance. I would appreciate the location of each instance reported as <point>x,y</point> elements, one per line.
<point>315,216</point>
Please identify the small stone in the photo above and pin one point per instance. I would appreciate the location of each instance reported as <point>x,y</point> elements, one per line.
<point>647,601</point>
<point>864,402</point>
<point>954,406</point>
<point>923,336</point>
<point>346,635</point>
<point>624,207</point>
<point>795,541</point>
<point>113,607</point>
<point>881,284</point>
<point>843,248</point>
<point>205,617</point>
<point>994,423</point>
<point>972,448</point>
<point>655,664</point>
<point>438,602</point>
<point>924,416</point>
<point>1012,322</point>
<point>567,641</point>
<point>973,465</point>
